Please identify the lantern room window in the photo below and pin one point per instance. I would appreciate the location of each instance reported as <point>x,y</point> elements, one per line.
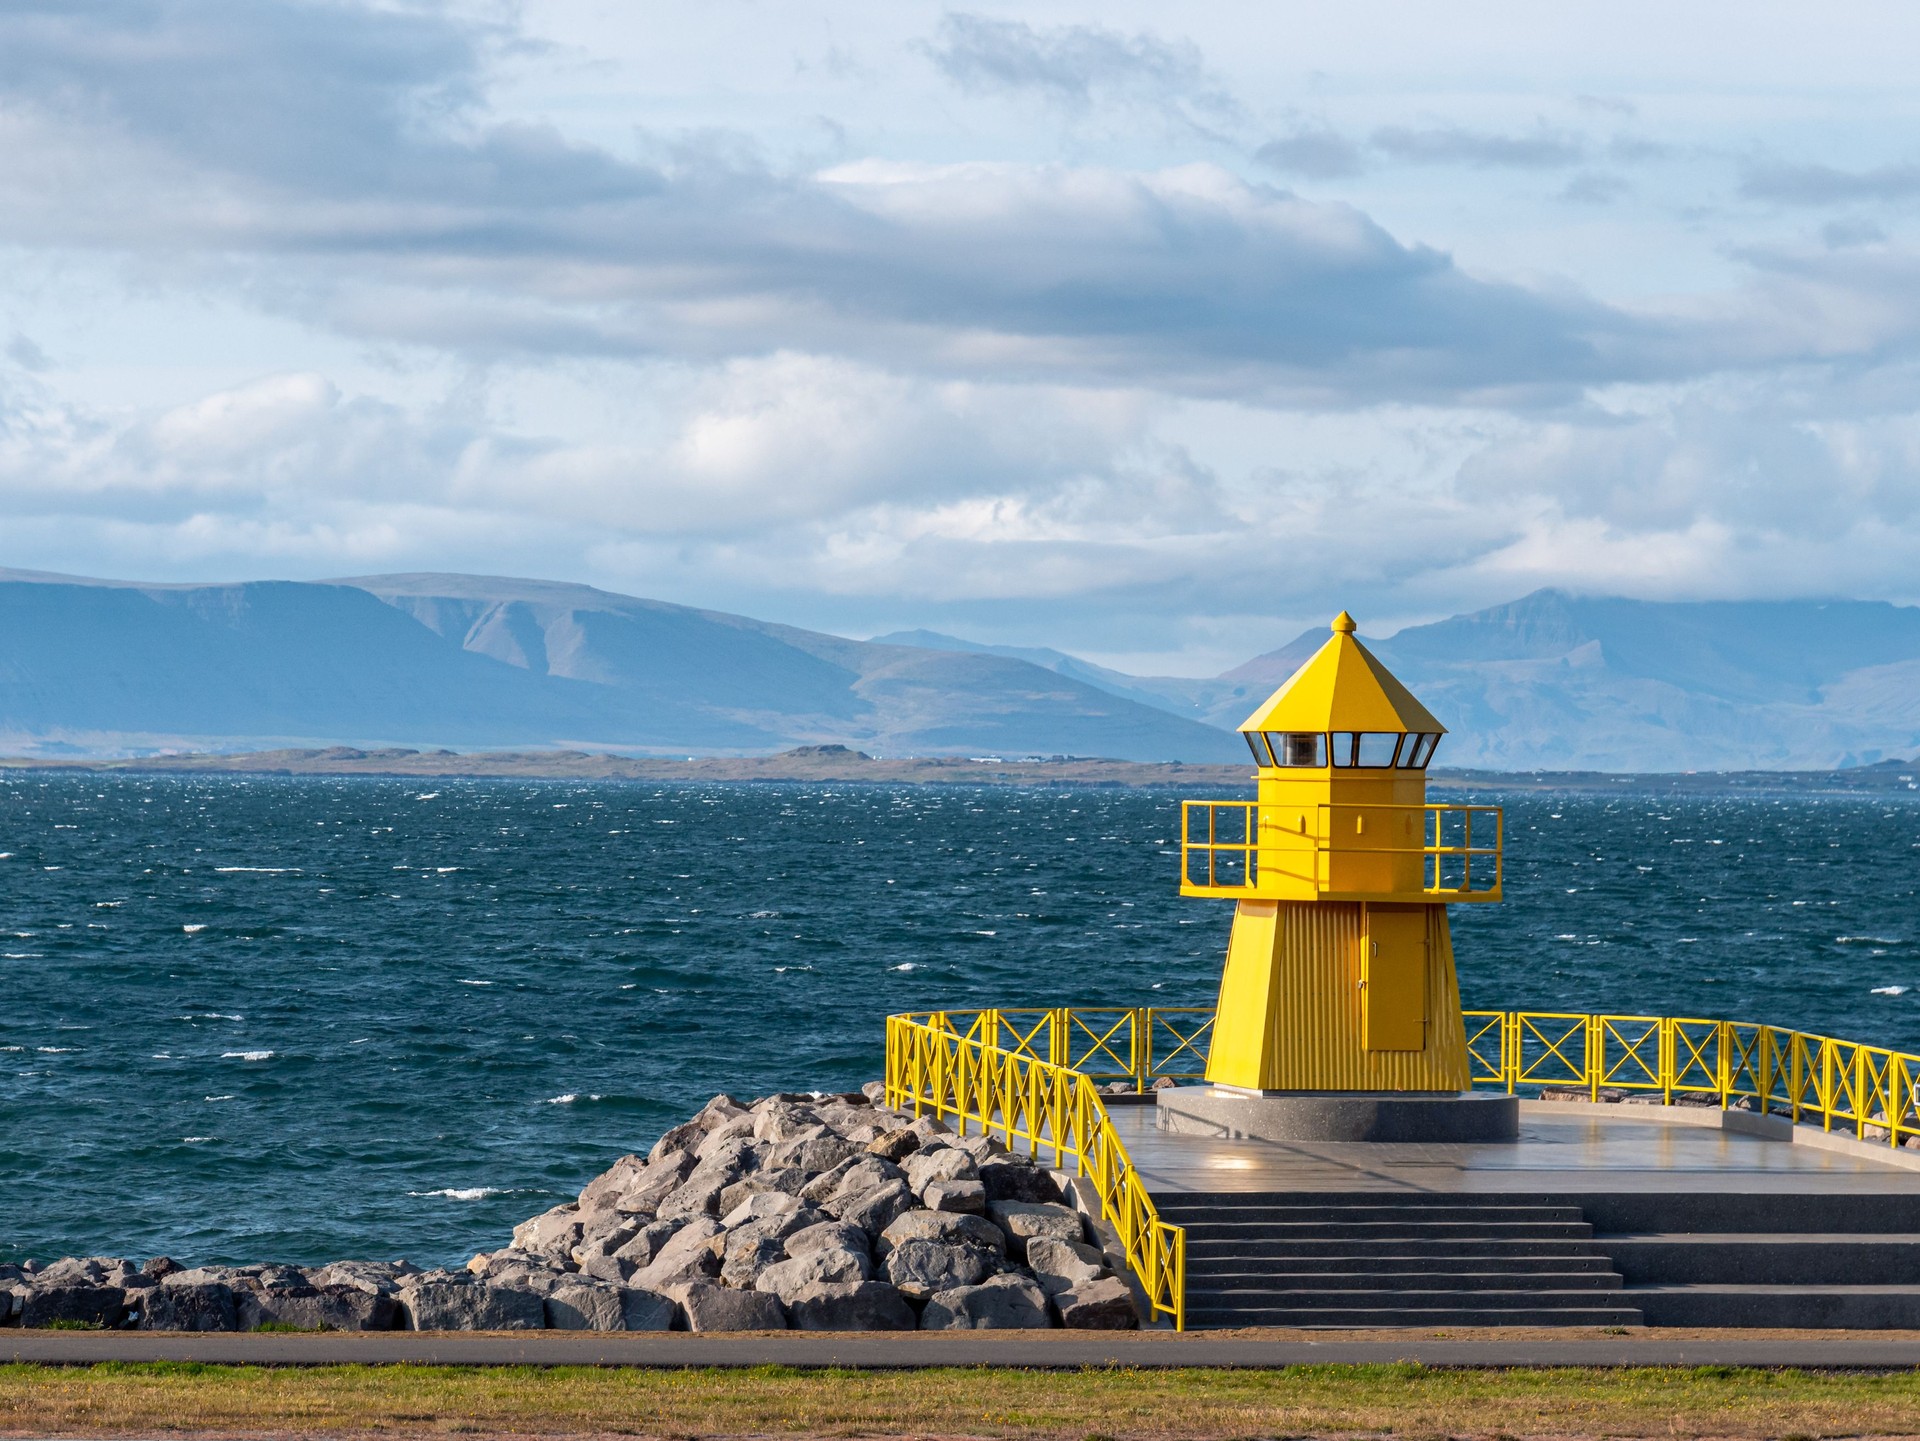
<point>1377,749</point>
<point>1288,748</point>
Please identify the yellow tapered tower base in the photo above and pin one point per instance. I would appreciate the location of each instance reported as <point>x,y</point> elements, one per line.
<point>1339,996</point>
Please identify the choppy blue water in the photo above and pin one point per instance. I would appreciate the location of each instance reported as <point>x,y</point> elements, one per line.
<point>302,1020</point>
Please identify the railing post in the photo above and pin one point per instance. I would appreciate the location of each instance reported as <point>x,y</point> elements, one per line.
<point>1596,1056</point>
<point>1510,1049</point>
<point>1668,1046</point>
<point>1142,1047</point>
<point>1726,1067</point>
<point>1060,1037</point>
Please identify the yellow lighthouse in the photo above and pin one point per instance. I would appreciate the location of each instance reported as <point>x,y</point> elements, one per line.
<point>1339,975</point>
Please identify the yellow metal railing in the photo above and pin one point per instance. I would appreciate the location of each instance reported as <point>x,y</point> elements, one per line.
<point>1227,847</point>
<point>1872,1091</point>
<point>969,1078</point>
<point>1033,1074</point>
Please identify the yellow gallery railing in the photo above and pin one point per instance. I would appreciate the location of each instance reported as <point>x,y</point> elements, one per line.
<point>969,1078</point>
<point>1034,1075</point>
<point>1249,850</point>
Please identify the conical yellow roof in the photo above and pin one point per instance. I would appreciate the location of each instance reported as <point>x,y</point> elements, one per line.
<point>1342,688</point>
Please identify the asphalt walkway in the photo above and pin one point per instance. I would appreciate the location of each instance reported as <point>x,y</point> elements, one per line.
<point>1824,1349</point>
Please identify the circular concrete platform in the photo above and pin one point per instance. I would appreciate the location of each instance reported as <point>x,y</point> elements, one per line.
<point>1340,1115</point>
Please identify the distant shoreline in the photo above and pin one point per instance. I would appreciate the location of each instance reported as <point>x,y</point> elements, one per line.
<point>839,764</point>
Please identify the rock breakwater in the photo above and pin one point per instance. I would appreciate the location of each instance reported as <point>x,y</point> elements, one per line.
<point>794,1211</point>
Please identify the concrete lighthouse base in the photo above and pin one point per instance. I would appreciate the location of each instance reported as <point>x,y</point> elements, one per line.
<point>1437,1116</point>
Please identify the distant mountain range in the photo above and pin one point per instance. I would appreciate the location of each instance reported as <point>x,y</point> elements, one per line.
<point>106,667</point>
<point>1561,682</point>
<point>1551,681</point>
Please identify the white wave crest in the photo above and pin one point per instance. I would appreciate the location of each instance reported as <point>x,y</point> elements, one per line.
<point>246,1055</point>
<point>461,1193</point>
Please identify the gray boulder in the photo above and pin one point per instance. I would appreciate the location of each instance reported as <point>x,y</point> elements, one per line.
<point>647,1243</point>
<point>1102,1305</point>
<point>381,1277</point>
<point>1000,1303</point>
<point>551,1233</point>
<point>684,1137</point>
<point>981,1148</point>
<point>920,1268</point>
<point>894,1145</point>
<point>1062,1265</point>
<point>692,1254</point>
<point>471,1306</point>
<point>851,1306</point>
<point>967,1197</point>
<point>762,1206</point>
<point>875,1210</point>
<point>814,1154</point>
<point>198,1306</point>
<point>1015,1178</point>
<point>79,1302</point>
<point>316,1308</point>
<point>699,1196</point>
<point>866,1174</point>
<point>749,1252</point>
<point>827,1235</point>
<point>579,1307</point>
<point>776,1120</point>
<point>1025,1220</point>
<point>826,1183</point>
<point>827,1266</point>
<point>726,1138</point>
<point>719,1308</point>
<point>607,1187</point>
<point>653,1185</point>
<point>943,1226</point>
<point>944,1163</point>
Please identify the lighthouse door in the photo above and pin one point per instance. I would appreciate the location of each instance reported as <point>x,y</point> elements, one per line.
<point>1393,979</point>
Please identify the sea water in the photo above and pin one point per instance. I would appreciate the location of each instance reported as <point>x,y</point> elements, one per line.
<point>301,1020</point>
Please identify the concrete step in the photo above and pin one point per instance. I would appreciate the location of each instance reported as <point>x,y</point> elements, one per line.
<point>1591,1260</point>
<point>1749,1258</point>
<point>1434,1309</point>
<point>1410,1281</point>
<point>1182,1215</point>
<point>1235,1232</point>
<point>1206,1248</point>
<point>1863,1308</point>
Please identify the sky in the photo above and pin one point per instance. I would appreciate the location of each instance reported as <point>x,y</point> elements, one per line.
<point>1152,333</point>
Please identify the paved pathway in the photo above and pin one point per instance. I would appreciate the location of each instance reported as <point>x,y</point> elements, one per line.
<point>1876,1349</point>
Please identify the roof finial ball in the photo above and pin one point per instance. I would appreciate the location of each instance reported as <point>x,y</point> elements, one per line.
<point>1339,1014</point>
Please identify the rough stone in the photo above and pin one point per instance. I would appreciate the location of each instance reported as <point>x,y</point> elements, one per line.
<point>1060,1265</point>
<point>718,1308</point>
<point>785,1121</point>
<point>693,1254</point>
<point>1024,1220</point>
<point>864,1175</point>
<point>943,1226</point>
<point>850,1306</point>
<point>317,1308</point>
<point>551,1233</point>
<point>874,1211</point>
<point>921,1268</point>
<point>875,1092</point>
<point>472,1306</point>
<point>827,1235</point>
<point>648,1242</point>
<point>659,1181</point>
<point>82,1301</point>
<point>824,1185</point>
<point>761,1206</point>
<point>700,1196</point>
<point>1012,1178</point>
<point>969,1197</point>
<point>1000,1303</point>
<point>944,1163</point>
<point>607,1187</point>
<point>827,1266</point>
<point>981,1148</point>
<point>200,1306</point>
<point>380,1277</point>
<point>574,1306</point>
<point>749,1252</point>
<point>1102,1305</point>
<point>894,1145</point>
<point>683,1137</point>
<point>814,1154</point>
<point>737,1132</point>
